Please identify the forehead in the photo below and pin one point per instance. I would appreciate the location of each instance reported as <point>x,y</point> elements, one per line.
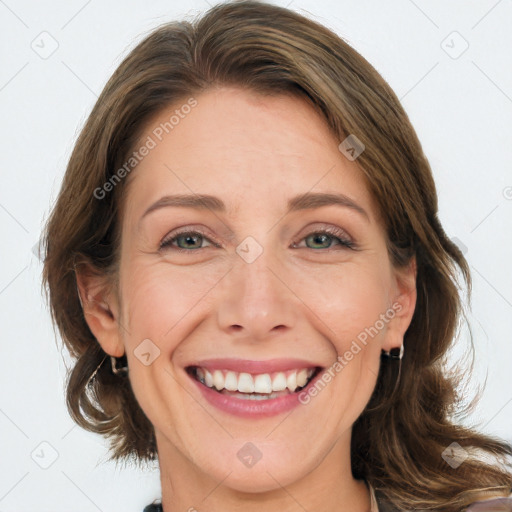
<point>244,147</point>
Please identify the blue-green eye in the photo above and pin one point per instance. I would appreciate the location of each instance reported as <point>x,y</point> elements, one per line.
<point>186,241</point>
<point>324,237</point>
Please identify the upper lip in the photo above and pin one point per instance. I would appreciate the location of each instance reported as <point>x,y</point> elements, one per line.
<point>251,366</point>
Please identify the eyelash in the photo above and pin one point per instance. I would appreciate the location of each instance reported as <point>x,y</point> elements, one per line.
<point>335,233</point>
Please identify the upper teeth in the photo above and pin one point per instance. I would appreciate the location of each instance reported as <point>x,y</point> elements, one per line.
<point>260,383</point>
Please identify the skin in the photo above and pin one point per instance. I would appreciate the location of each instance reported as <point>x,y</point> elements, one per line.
<point>309,302</point>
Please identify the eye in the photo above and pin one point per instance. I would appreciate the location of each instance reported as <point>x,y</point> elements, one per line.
<point>187,241</point>
<point>324,238</point>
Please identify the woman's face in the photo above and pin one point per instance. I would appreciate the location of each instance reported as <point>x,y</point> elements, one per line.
<point>262,283</point>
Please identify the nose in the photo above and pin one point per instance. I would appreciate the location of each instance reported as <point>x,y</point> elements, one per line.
<point>257,299</point>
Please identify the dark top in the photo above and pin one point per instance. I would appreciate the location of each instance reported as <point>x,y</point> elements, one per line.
<point>153,508</point>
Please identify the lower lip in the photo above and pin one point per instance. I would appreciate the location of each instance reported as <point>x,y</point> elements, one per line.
<point>252,408</point>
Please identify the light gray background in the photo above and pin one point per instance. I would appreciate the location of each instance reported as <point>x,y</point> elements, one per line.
<point>459,103</point>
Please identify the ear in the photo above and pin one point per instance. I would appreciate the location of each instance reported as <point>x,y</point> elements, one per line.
<point>403,303</point>
<point>100,309</point>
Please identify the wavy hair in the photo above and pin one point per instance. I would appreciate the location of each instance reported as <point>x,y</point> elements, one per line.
<point>399,439</point>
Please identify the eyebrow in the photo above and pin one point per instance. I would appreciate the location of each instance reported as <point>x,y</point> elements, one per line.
<point>305,201</point>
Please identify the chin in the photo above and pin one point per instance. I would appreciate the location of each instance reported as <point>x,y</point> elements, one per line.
<point>259,480</point>
<point>269,473</point>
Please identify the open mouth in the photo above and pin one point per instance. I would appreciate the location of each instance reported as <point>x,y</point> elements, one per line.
<point>248,386</point>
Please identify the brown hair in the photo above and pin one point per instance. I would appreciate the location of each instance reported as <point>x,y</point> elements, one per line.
<point>398,441</point>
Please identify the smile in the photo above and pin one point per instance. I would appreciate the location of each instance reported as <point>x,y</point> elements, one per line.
<point>249,394</point>
<point>248,384</point>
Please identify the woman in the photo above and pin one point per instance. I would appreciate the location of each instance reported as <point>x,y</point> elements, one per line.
<point>248,230</point>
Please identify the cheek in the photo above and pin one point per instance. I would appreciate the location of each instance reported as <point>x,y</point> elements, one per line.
<point>159,301</point>
<point>165,303</point>
<point>162,305</point>
<point>347,299</point>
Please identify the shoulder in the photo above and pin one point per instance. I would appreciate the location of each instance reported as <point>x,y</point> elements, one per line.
<point>503,504</point>
<point>491,505</point>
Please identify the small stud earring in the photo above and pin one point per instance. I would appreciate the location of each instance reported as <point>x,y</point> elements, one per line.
<point>395,353</point>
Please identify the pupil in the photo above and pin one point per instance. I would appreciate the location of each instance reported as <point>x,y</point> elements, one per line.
<point>189,239</point>
<point>321,239</point>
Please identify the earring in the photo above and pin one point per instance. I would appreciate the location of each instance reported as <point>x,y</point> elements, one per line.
<point>95,371</point>
<point>115,370</point>
<point>121,371</point>
<point>394,353</point>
